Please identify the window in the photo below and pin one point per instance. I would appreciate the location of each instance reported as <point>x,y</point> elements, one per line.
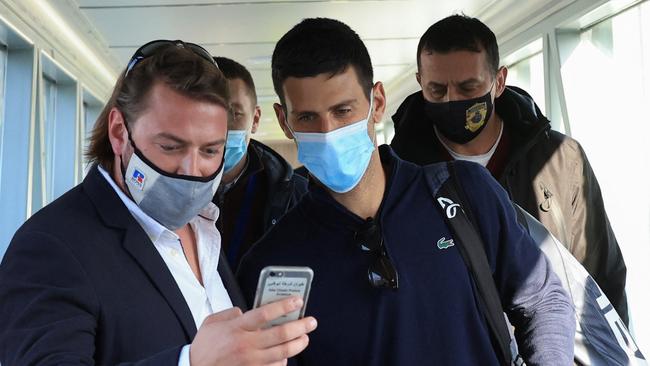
<point>57,146</point>
<point>3,72</point>
<point>596,64</point>
<point>527,72</point>
<point>388,131</point>
<point>87,128</point>
<point>41,126</point>
<point>606,80</point>
<point>49,128</point>
<point>90,110</point>
<point>385,131</point>
<point>17,58</point>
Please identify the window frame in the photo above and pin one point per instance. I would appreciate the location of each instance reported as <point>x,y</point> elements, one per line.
<point>16,128</point>
<point>63,153</point>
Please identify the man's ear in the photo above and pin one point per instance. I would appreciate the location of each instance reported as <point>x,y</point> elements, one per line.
<point>117,133</point>
<point>501,77</point>
<point>282,120</point>
<point>378,103</point>
<point>418,79</point>
<point>257,114</point>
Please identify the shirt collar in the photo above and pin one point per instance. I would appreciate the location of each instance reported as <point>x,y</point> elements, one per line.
<point>151,227</point>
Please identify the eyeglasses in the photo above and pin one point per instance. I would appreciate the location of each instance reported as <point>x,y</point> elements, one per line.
<point>152,47</point>
<point>381,273</point>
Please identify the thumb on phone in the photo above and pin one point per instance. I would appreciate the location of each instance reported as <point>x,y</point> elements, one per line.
<point>257,318</point>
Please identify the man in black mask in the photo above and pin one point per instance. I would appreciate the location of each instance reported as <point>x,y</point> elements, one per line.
<point>465,111</point>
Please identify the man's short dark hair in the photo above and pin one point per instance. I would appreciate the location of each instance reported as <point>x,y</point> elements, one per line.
<point>320,46</point>
<point>234,70</point>
<point>460,33</point>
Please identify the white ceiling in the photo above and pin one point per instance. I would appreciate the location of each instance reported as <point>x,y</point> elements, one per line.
<point>246,31</point>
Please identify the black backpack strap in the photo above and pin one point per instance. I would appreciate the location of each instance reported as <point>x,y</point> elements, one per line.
<point>450,198</point>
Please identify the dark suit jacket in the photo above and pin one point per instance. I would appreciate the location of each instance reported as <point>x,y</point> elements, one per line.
<point>81,283</point>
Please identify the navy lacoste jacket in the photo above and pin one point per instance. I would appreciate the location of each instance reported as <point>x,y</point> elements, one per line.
<point>433,318</point>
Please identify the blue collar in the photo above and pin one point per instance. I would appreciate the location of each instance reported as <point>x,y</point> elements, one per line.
<point>320,206</point>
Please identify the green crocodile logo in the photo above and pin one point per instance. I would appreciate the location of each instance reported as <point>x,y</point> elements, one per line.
<point>444,244</point>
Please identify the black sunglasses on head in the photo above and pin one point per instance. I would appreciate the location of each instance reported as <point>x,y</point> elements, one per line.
<point>381,273</point>
<point>149,49</point>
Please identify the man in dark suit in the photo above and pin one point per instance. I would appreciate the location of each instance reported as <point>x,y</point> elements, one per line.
<point>125,267</point>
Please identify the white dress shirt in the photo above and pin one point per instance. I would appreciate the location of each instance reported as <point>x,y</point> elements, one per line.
<point>203,300</point>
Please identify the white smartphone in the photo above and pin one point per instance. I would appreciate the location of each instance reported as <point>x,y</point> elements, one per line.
<point>279,282</point>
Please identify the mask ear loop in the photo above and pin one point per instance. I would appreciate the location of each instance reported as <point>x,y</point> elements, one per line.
<point>130,139</point>
<point>494,82</point>
<point>286,122</point>
<point>372,93</point>
<point>374,138</point>
<point>135,148</point>
<point>122,167</point>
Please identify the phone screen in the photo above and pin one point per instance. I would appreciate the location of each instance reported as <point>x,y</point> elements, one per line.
<point>276,283</point>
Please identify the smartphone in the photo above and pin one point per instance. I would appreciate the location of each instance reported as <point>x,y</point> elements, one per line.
<point>279,282</point>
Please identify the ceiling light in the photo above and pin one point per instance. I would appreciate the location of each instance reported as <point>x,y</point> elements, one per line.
<point>259,60</point>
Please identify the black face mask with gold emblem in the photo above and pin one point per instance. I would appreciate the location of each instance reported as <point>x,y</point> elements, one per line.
<point>460,121</point>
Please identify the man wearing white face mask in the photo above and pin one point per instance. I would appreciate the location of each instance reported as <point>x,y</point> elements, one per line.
<point>125,268</point>
<point>258,185</point>
<point>390,284</point>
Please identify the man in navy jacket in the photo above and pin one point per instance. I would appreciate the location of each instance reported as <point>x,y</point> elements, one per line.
<point>390,286</point>
<point>124,268</point>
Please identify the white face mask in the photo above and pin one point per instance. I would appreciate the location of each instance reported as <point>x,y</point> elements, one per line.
<point>338,158</point>
<point>171,199</point>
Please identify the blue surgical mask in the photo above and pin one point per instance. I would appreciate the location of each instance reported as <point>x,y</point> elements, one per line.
<point>171,199</point>
<point>235,148</point>
<point>338,158</point>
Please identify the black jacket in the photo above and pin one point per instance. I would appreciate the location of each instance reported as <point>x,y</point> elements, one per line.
<point>546,173</point>
<point>256,201</point>
<point>81,283</point>
<point>285,188</point>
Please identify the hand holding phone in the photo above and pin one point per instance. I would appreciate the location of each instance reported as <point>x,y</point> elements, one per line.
<point>232,338</point>
<point>279,282</point>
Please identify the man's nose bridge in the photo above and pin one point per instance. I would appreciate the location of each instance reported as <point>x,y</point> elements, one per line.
<point>452,94</point>
<point>190,164</point>
<point>329,123</point>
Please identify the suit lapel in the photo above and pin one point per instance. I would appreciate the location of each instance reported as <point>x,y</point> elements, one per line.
<point>138,245</point>
<point>230,283</point>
